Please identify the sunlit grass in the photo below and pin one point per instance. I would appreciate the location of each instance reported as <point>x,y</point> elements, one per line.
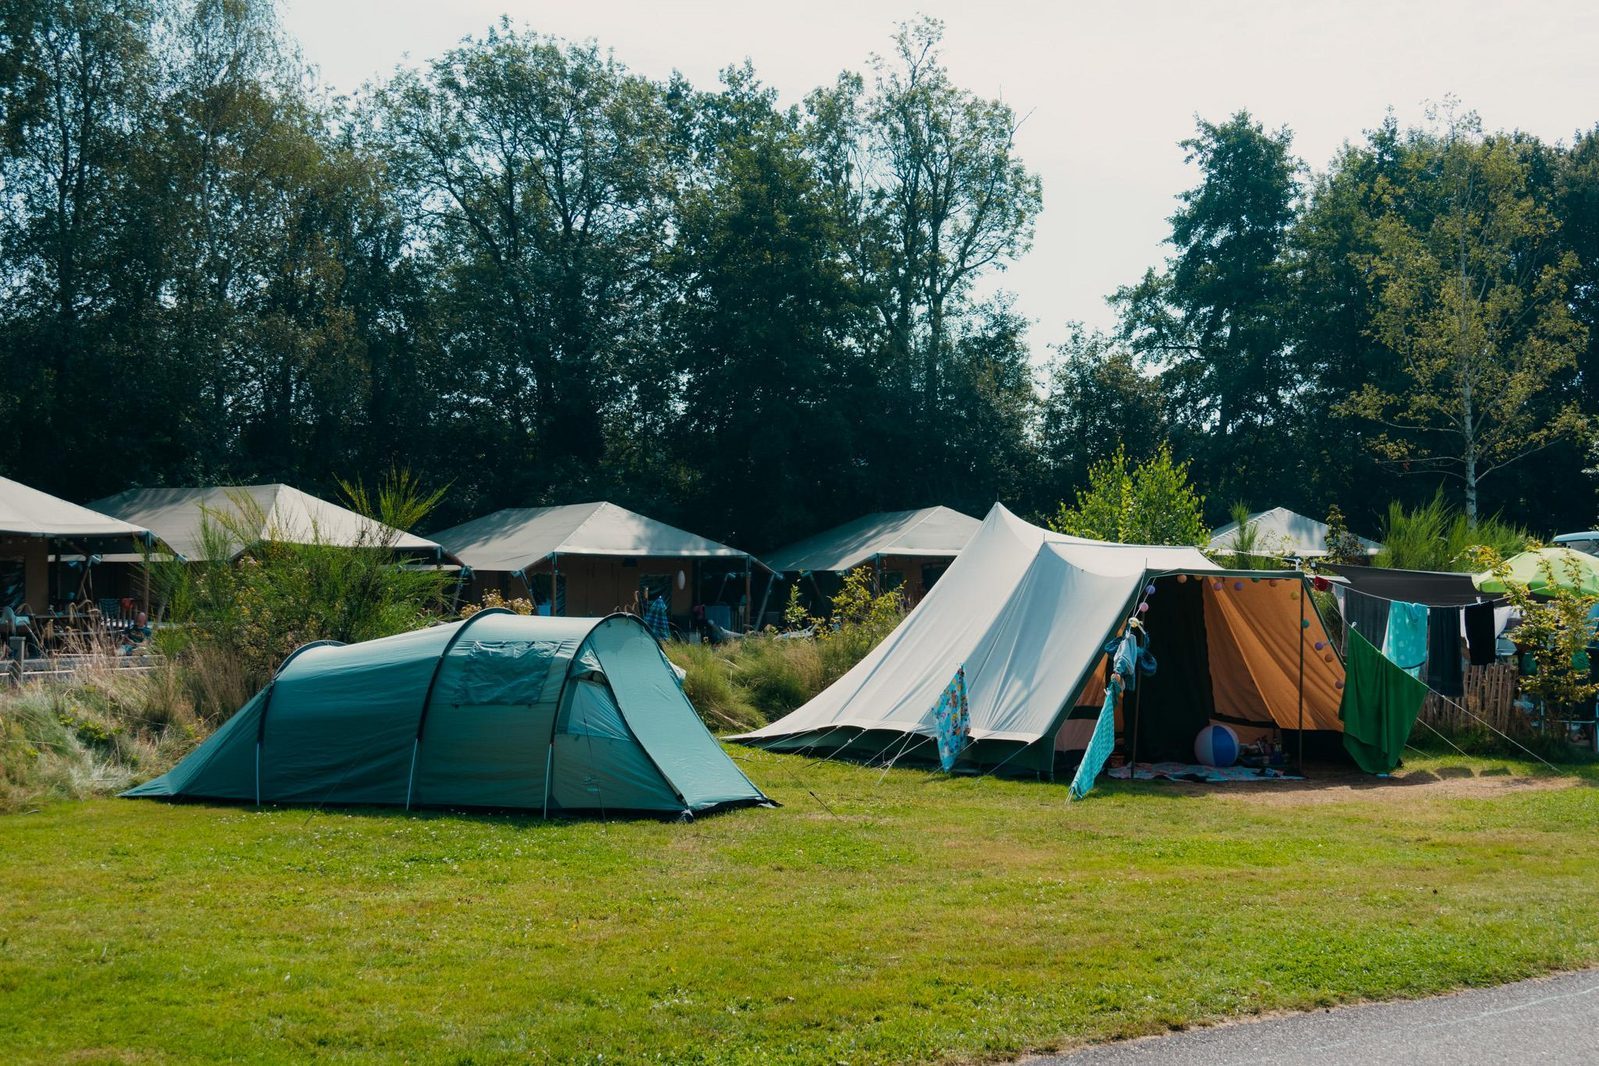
<point>912,918</point>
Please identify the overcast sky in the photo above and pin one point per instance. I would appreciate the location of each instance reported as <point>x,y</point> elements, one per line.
<point>1109,88</point>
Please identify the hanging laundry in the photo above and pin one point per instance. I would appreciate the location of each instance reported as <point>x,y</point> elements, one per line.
<point>953,720</point>
<point>1406,642</point>
<point>1379,706</point>
<point>1480,633</point>
<point>1100,744</point>
<point>1445,674</point>
<point>1366,614</point>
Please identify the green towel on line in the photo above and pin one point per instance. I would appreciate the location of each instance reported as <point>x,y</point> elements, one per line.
<point>1379,708</point>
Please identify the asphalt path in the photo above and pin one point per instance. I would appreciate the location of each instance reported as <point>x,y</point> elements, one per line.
<point>1551,1020</point>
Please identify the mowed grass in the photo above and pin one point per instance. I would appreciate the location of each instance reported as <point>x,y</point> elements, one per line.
<point>915,918</point>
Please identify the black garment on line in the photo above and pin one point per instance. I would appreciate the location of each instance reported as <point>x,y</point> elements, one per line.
<point>1480,634</point>
<point>1444,674</point>
<point>1368,615</point>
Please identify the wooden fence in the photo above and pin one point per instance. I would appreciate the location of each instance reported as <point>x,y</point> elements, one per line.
<point>1490,698</point>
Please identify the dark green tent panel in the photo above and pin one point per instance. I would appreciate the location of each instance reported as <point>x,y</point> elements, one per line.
<point>501,710</point>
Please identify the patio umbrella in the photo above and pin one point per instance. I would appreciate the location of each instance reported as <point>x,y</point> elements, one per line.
<point>1545,569</point>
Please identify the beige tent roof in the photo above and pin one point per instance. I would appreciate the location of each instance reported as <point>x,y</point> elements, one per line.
<point>1280,531</point>
<point>520,537</point>
<point>27,512</point>
<point>289,516</point>
<point>934,532</point>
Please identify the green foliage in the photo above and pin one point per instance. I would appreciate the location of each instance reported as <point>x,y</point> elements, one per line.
<point>1096,398</point>
<point>1474,295</point>
<point>1343,546</point>
<point>1211,322</point>
<point>1150,503</point>
<point>1555,628</point>
<point>255,600</point>
<point>1436,536</point>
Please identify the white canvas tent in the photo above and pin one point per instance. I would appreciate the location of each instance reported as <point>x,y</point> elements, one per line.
<point>1280,531</point>
<point>27,512</point>
<point>1027,613</point>
<point>928,533</point>
<point>288,516</point>
<point>593,558</point>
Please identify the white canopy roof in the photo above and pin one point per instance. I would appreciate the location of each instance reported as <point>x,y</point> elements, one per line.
<point>288,516</point>
<point>520,537</point>
<point>935,532</point>
<point>1280,531</point>
<point>1027,613</point>
<point>27,512</point>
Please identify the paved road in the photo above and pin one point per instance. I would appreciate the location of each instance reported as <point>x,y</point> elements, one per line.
<point>1550,1020</point>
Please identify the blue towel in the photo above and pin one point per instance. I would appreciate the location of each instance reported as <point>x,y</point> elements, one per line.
<point>1099,747</point>
<point>1406,642</point>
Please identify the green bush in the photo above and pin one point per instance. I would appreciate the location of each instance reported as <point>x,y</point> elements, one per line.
<point>1148,503</point>
<point>255,601</point>
<point>1435,536</point>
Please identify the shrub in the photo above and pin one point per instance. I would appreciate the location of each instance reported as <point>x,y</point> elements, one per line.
<point>255,601</point>
<point>1150,503</point>
<point>1434,536</point>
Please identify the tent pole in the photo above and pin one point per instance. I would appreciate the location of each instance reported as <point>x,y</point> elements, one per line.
<point>747,601</point>
<point>555,584</point>
<point>1304,591</point>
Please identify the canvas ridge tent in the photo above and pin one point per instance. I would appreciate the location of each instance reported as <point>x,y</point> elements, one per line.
<point>914,546</point>
<point>1027,613</point>
<point>501,710</point>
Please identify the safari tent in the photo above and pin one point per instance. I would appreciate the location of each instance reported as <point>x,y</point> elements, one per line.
<point>594,558</point>
<point>1280,531</point>
<point>37,528</point>
<point>498,711</point>
<point>275,512</point>
<point>906,549</point>
<point>1026,613</point>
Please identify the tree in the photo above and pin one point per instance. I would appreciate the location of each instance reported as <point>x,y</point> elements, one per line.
<point>771,394</point>
<point>1150,503</point>
<point>926,178</point>
<point>536,172</point>
<point>1212,321</point>
<point>1473,300</point>
<point>1096,399</point>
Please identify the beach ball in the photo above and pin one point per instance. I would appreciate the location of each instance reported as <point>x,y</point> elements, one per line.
<point>1216,745</point>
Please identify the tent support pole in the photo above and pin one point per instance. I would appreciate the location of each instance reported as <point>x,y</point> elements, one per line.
<point>555,584</point>
<point>1304,591</point>
<point>748,603</point>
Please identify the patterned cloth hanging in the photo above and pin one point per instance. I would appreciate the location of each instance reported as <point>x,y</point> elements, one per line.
<point>953,720</point>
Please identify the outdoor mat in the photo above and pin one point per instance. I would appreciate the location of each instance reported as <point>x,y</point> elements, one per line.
<point>1186,771</point>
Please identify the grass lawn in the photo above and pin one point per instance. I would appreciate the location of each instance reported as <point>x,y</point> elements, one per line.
<point>922,918</point>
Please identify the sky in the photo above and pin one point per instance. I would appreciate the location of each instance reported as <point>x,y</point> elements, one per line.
<point>1107,89</point>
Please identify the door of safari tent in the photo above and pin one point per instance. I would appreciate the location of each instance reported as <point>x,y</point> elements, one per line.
<point>1247,649</point>
<point>497,711</point>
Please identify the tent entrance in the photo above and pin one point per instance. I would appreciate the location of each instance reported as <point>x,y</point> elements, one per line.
<point>1228,648</point>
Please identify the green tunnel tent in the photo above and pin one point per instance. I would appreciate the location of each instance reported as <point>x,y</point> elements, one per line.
<point>559,715</point>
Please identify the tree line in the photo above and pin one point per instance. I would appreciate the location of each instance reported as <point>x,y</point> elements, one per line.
<point>524,272</point>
